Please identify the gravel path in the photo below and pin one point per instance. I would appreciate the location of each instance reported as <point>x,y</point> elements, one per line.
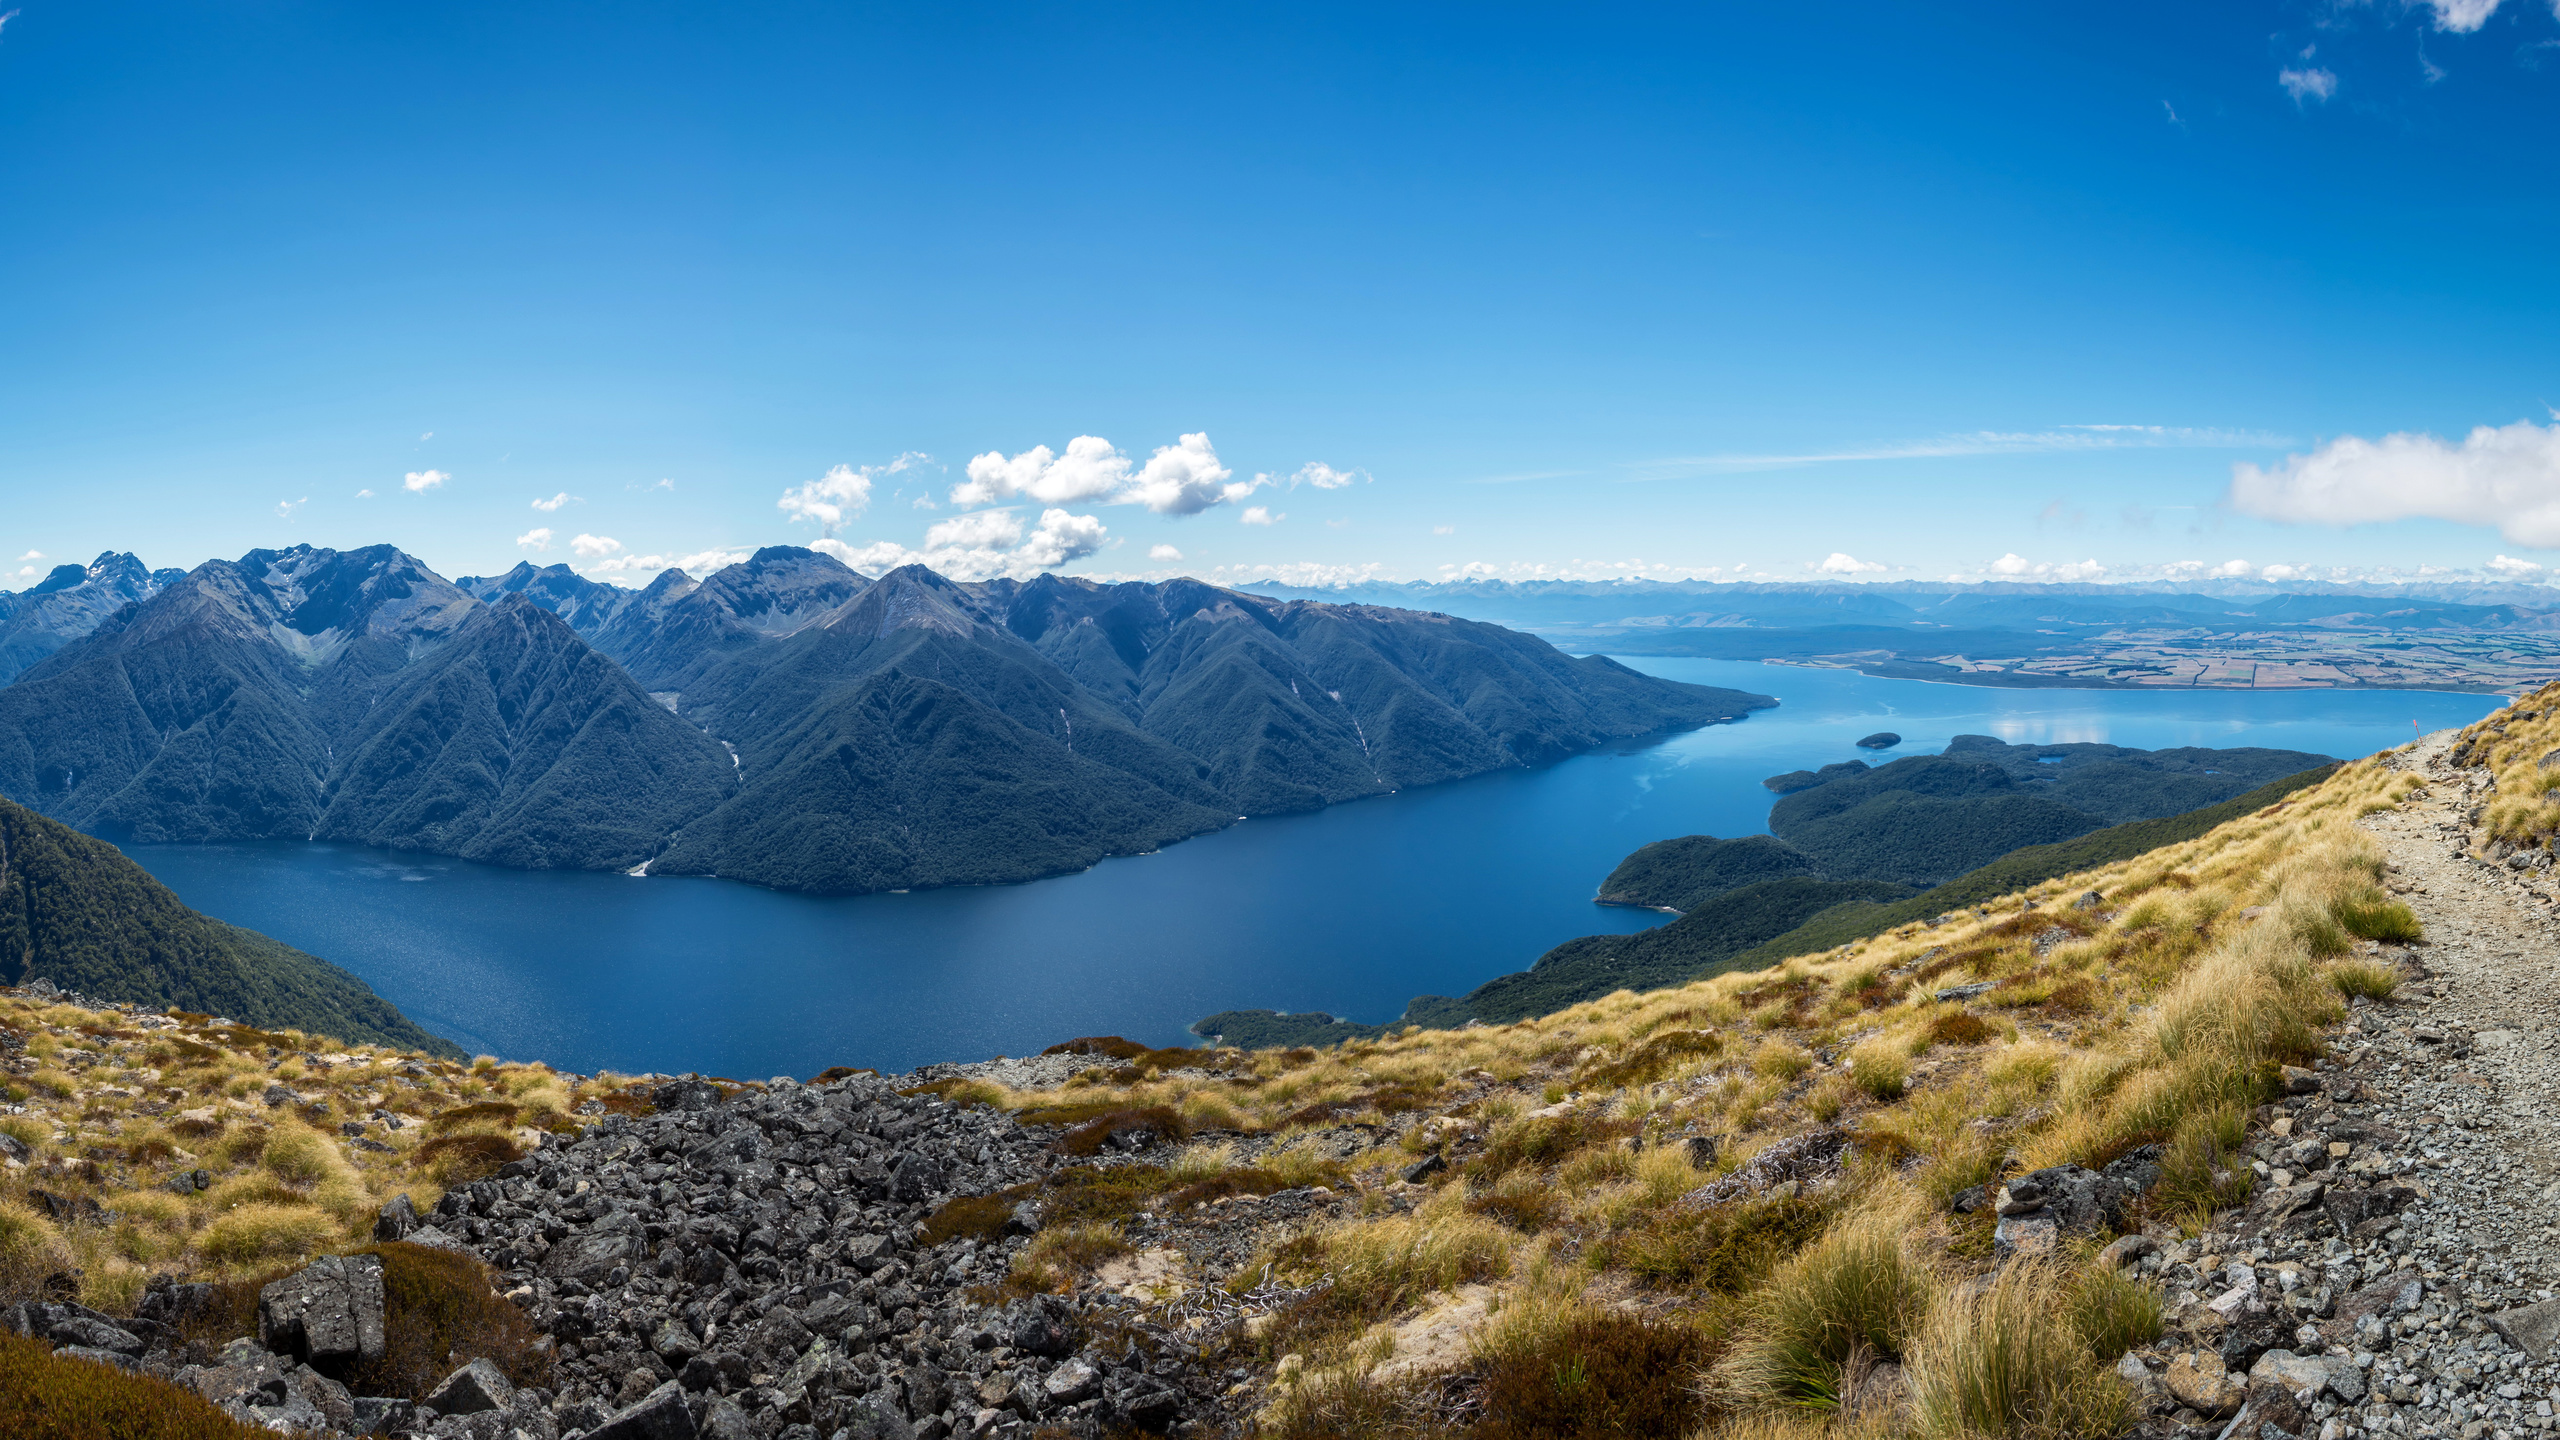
<point>2392,1275</point>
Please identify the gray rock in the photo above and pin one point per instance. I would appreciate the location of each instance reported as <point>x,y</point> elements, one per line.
<point>589,1258</point>
<point>94,1334</point>
<point>470,1390</point>
<point>398,1219</point>
<point>916,1177</point>
<point>660,1415</point>
<point>2530,1328</point>
<point>2025,1235</point>
<point>674,1343</point>
<point>1963,992</point>
<point>328,1314</point>
<point>1071,1382</point>
<point>378,1415</point>
<point>1424,1168</point>
<point>723,1420</point>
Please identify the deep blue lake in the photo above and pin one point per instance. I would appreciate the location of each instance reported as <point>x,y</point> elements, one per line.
<point>1353,910</point>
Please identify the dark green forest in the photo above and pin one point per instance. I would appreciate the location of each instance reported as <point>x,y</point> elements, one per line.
<point>75,911</point>
<point>1852,848</point>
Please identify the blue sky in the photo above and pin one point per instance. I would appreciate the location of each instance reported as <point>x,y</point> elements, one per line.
<point>1696,289</point>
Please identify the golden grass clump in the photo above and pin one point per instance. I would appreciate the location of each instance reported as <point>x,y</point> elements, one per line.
<point>2005,1360</point>
<point>254,1232</point>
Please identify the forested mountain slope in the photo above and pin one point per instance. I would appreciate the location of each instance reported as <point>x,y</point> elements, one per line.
<point>81,915</point>
<point>930,732</point>
<point>785,721</point>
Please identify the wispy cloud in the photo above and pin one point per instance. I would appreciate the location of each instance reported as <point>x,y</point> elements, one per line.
<point>2060,439</point>
<point>556,501</point>
<point>2462,16</point>
<point>2311,83</point>
<point>285,508</point>
<point>537,539</point>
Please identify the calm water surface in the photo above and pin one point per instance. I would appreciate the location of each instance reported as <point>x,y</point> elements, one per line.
<point>1353,910</point>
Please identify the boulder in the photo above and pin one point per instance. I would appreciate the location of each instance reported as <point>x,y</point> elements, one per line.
<point>660,1415</point>
<point>1072,1382</point>
<point>685,1095</point>
<point>397,1220</point>
<point>470,1390</point>
<point>2531,1328</point>
<point>328,1314</point>
<point>916,1177</point>
<point>2201,1383</point>
<point>590,1257</point>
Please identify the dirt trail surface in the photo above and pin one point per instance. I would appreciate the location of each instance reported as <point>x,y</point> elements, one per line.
<point>2428,1144</point>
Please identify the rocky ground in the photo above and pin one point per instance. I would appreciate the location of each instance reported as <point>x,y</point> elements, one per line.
<point>734,1267</point>
<point>2393,1272</point>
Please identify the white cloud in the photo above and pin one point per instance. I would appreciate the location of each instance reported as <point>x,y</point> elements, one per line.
<point>831,499</point>
<point>2506,476</point>
<point>2507,566</point>
<point>2464,16</point>
<point>556,501</point>
<point>987,545</point>
<point>2059,439</point>
<point>5,19</point>
<point>594,547</point>
<point>364,494</point>
<point>537,539</point>
<point>1184,478</point>
<point>664,485</point>
<point>1325,477</point>
<point>419,480</point>
<point>2230,569</point>
<point>429,435</point>
<point>32,554</point>
<point>1472,570</point>
<point>2312,84</point>
<point>2279,572</point>
<point>1163,552</point>
<point>1843,564</point>
<point>1091,469</point>
<point>1444,529</point>
<point>2016,566</point>
<point>285,508</point>
<point>1061,537</point>
<point>698,564</point>
<point>987,529</point>
<point>1260,515</point>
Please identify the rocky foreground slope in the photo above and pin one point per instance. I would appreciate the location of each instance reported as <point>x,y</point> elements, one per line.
<point>2245,1136</point>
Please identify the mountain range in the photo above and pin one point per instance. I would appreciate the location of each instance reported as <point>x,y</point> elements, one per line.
<point>786,721</point>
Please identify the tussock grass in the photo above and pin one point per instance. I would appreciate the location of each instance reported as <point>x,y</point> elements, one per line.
<point>1857,1289</point>
<point>2003,1362</point>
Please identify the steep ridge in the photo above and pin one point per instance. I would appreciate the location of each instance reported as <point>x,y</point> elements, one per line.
<point>75,912</point>
<point>925,732</point>
<point>669,633</point>
<point>356,695</point>
<point>518,744</point>
<point>69,603</point>
<point>906,741</point>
